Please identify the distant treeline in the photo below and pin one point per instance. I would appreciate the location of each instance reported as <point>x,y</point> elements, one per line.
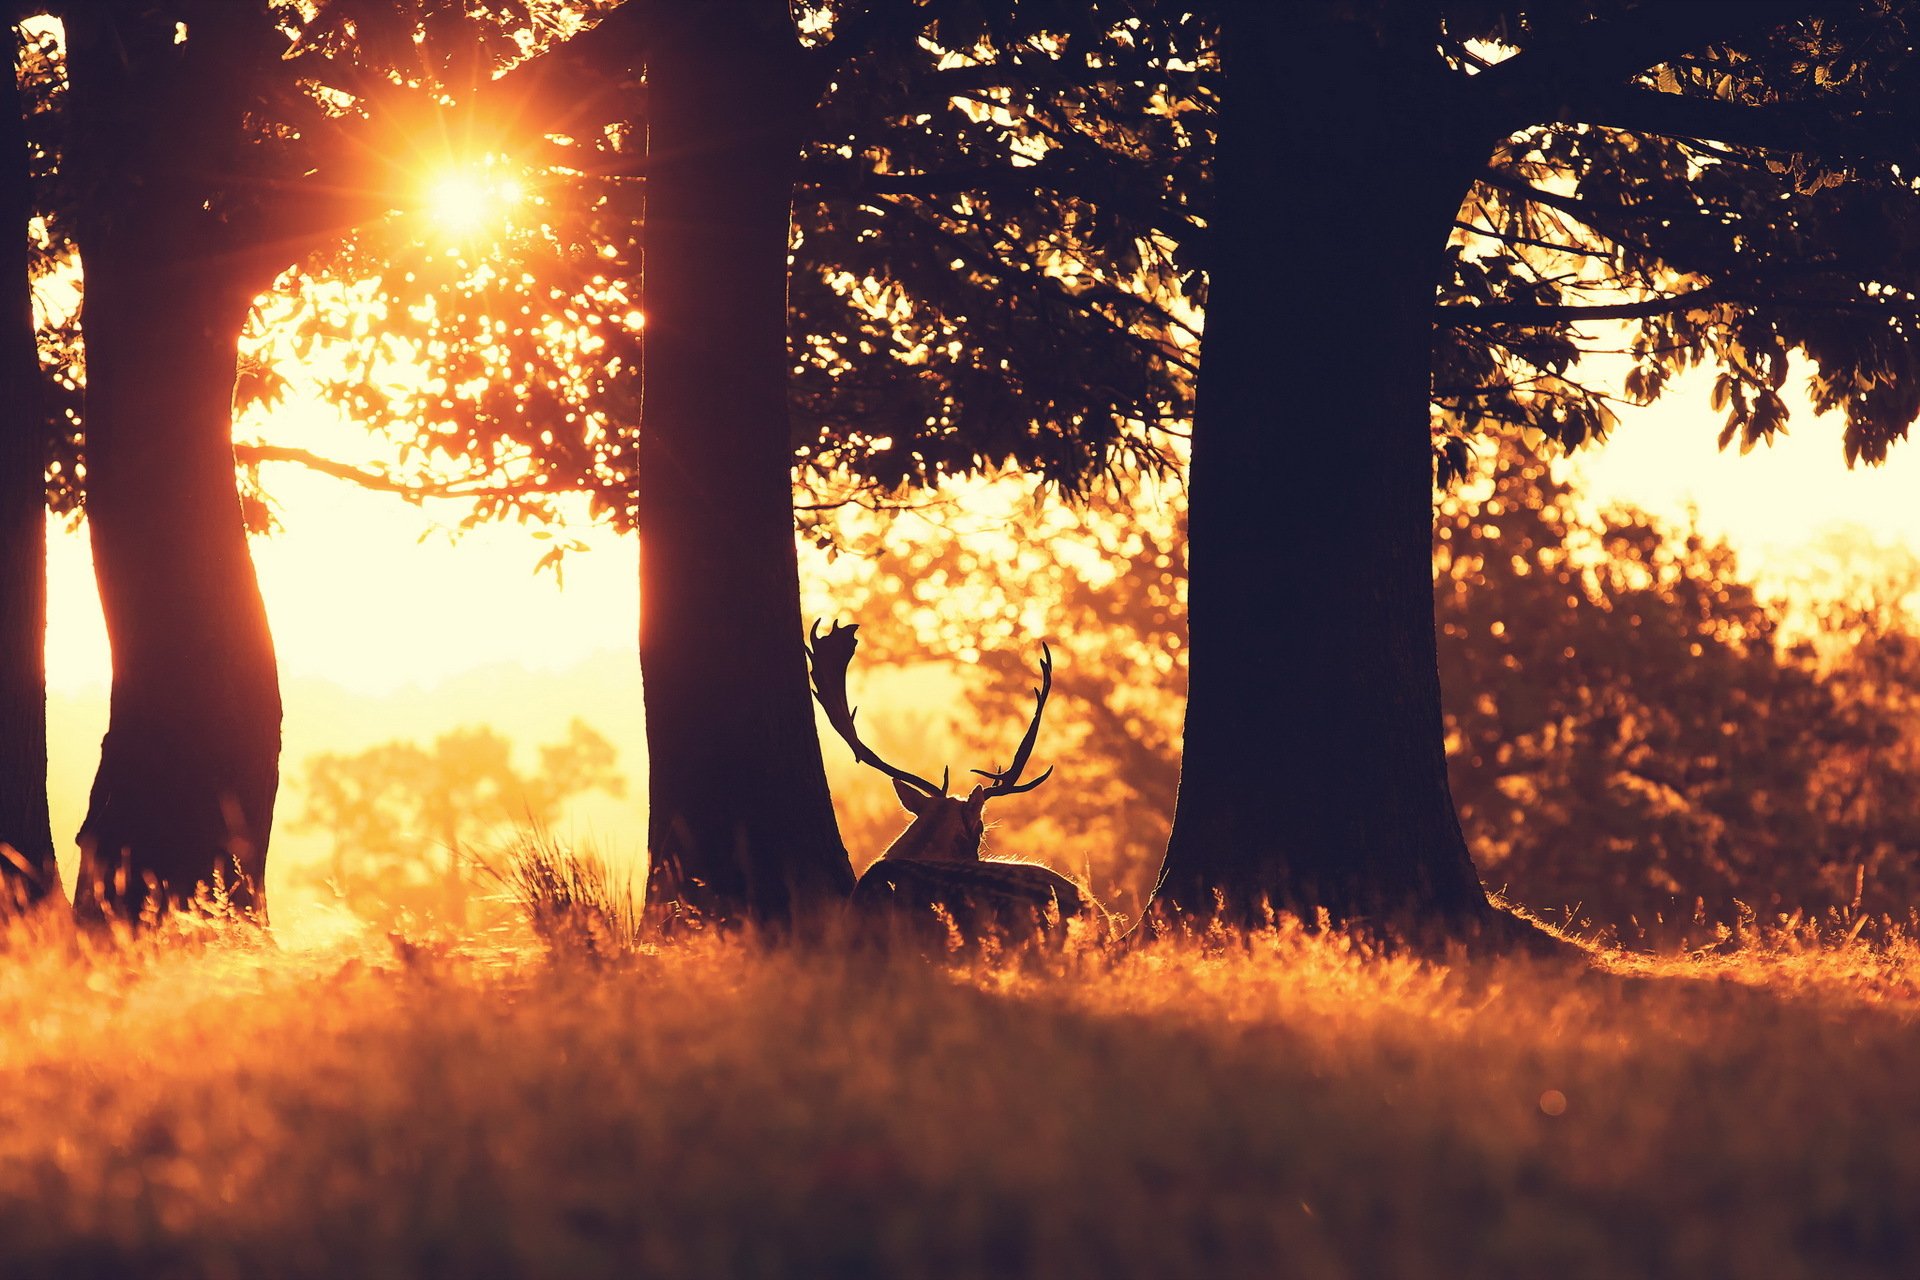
<point>1638,740</point>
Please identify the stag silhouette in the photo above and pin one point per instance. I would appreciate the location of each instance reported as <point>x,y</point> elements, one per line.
<point>933,875</point>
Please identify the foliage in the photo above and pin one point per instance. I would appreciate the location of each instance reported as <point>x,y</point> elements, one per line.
<point>41,77</point>
<point>994,571</point>
<point>1638,741</point>
<point>1286,1101</point>
<point>407,820</point>
<point>482,316</point>
<point>987,187</point>
<point>968,205</point>
<point>990,185</point>
<point>1791,234</point>
<point>338,99</point>
<point>1637,738</point>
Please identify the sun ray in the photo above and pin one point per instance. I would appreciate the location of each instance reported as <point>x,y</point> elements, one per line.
<point>465,198</point>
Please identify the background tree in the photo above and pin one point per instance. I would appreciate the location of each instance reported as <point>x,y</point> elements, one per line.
<point>1641,741</point>
<point>960,594</point>
<point>1638,739</point>
<point>409,821</point>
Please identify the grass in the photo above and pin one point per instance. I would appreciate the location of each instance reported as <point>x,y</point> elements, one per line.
<point>1285,1105</point>
<point>577,906</point>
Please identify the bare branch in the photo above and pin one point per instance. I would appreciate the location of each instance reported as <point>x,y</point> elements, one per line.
<point>254,453</point>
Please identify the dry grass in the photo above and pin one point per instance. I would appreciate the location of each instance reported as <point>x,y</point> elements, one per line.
<point>1290,1107</point>
<point>577,906</point>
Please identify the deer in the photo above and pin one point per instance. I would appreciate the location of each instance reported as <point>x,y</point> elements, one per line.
<point>934,875</point>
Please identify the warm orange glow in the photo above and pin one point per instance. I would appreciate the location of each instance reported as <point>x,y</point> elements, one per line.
<point>468,198</point>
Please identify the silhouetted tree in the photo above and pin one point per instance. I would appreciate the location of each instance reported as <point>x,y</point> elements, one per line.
<point>188,769</point>
<point>1570,149</point>
<point>27,867</point>
<point>204,153</point>
<point>962,380</point>
<point>736,768</point>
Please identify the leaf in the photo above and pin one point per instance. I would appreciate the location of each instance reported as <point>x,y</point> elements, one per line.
<point>1722,395</point>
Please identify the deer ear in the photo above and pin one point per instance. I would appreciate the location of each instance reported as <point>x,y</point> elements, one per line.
<point>977,799</point>
<point>912,800</point>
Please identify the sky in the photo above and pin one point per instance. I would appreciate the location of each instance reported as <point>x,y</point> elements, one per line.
<point>374,595</point>
<point>1770,503</point>
<point>389,628</point>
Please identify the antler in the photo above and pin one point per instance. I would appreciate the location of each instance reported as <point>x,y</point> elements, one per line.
<point>828,656</point>
<point>1004,782</point>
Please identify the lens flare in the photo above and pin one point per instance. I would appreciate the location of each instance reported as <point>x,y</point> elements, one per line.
<point>467,199</point>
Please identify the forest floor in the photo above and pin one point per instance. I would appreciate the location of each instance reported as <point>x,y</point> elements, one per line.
<point>1284,1106</point>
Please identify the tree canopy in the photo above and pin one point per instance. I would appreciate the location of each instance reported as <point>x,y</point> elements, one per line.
<point>1008,223</point>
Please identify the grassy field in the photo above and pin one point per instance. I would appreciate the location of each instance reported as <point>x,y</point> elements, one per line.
<point>1282,1106</point>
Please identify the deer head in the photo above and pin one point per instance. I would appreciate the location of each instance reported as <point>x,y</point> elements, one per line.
<point>944,827</point>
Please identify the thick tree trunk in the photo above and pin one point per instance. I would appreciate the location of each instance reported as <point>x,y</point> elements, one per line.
<point>28,871</point>
<point>1314,773</point>
<point>742,823</point>
<point>190,765</point>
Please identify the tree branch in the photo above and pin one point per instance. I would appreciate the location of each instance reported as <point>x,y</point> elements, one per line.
<point>1110,190</point>
<point>1537,84</point>
<point>1582,212</point>
<point>1784,127</point>
<point>254,453</point>
<point>1552,246</point>
<point>1533,314</point>
<point>1536,314</point>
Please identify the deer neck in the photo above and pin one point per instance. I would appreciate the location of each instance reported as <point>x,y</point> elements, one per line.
<point>946,832</point>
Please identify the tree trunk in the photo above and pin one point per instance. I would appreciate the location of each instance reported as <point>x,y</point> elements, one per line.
<point>28,871</point>
<point>190,765</point>
<point>742,823</point>
<point>1314,774</point>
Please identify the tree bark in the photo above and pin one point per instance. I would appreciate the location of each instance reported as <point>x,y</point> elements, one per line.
<point>1314,775</point>
<point>28,871</point>
<point>742,824</point>
<point>189,768</point>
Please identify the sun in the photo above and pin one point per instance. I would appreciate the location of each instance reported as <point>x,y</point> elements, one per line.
<point>465,199</point>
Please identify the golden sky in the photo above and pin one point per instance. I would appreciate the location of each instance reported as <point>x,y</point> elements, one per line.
<point>1773,503</point>
<point>374,595</point>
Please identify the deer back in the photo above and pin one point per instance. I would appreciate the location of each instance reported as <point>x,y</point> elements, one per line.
<point>939,902</point>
